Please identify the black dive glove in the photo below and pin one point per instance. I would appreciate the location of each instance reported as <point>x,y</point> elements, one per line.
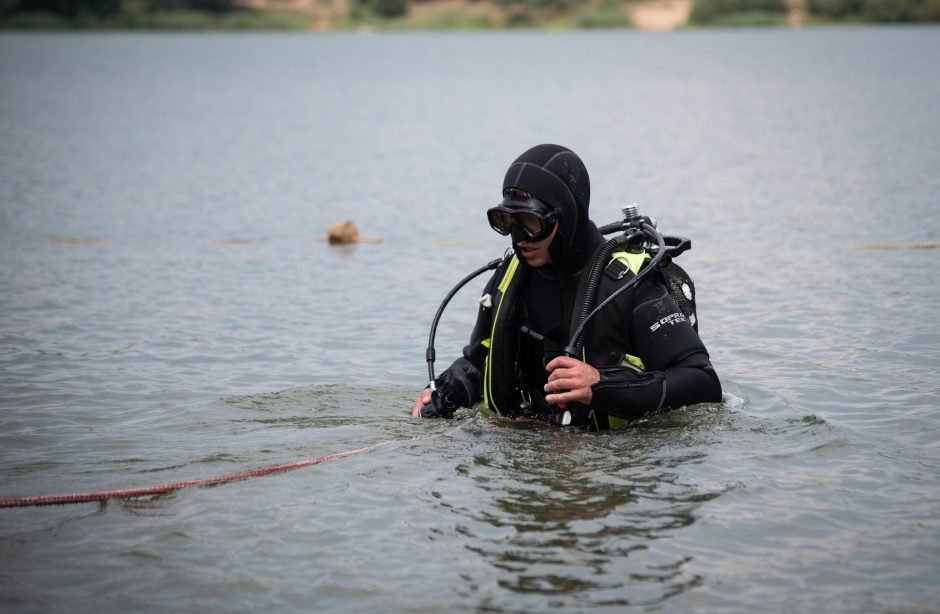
<point>452,391</point>
<point>441,405</point>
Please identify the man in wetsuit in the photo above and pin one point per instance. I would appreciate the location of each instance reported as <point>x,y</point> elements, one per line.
<point>640,354</point>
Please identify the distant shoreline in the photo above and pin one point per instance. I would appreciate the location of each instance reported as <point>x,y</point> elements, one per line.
<point>428,15</point>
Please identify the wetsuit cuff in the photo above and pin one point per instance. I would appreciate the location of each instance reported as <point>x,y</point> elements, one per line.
<point>623,392</point>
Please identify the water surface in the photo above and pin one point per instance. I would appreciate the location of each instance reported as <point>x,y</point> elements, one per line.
<point>169,310</point>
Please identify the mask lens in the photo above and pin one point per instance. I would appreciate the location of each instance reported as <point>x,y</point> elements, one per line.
<point>500,221</point>
<point>531,223</point>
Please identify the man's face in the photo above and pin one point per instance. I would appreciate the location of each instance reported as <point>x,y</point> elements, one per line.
<point>536,253</point>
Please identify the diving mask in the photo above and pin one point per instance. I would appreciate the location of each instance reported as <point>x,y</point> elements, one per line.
<point>534,219</point>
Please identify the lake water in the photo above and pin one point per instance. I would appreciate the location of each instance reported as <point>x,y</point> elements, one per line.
<point>169,310</point>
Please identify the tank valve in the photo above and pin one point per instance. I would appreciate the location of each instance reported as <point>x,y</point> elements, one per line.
<point>631,213</point>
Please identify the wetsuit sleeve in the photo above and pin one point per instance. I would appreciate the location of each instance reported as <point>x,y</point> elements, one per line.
<point>677,368</point>
<point>461,384</point>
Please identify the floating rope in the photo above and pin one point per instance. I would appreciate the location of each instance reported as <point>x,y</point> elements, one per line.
<point>160,489</point>
<point>933,245</point>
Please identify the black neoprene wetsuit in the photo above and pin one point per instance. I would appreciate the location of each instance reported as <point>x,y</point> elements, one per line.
<point>677,370</point>
<point>648,354</point>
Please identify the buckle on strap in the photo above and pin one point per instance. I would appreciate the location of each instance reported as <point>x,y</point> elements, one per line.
<point>616,269</point>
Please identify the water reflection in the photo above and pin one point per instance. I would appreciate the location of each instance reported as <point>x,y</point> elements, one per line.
<point>577,515</point>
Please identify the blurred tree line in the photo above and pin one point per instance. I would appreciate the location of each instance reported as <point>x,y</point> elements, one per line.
<point>382,8</point>
<point>876,10</point>
<point>520,12</point>
<point>525,12</point>
<point>752,11</point>
<point>720,12</point>
<point>105,8</point>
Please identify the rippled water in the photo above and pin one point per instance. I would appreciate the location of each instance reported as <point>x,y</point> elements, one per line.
<point>170,311</point>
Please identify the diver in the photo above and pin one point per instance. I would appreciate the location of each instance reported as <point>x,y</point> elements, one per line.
<point>639,354</point>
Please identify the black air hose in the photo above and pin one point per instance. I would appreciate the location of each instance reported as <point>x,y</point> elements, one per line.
<point>594,277</point>
<point>430,354</point>
<point>574,345</point>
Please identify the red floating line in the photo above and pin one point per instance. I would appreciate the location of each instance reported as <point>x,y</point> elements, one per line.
<point>160,489</point>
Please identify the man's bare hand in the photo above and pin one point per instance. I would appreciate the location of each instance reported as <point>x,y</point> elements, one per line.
<point>570,380</point>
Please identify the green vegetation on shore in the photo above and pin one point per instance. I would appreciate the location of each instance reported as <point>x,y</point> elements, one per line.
<point>739,13</point>
<point>437,14</point>
<point>159,20</point>
<point>780,12</point>
<point>876,11</point>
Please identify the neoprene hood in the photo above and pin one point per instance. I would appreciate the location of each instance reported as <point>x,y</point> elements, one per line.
<point>557,176</point>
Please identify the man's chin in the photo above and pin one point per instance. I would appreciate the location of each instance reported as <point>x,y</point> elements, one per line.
<point>536,261</point>
<point>533,257</point>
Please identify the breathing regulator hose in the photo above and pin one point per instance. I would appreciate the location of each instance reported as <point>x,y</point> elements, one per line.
<point>636,228</point>
<point>594,278</point>
<point>430,354</point>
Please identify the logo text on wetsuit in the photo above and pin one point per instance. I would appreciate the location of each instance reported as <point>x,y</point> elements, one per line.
<point>671,319</point>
